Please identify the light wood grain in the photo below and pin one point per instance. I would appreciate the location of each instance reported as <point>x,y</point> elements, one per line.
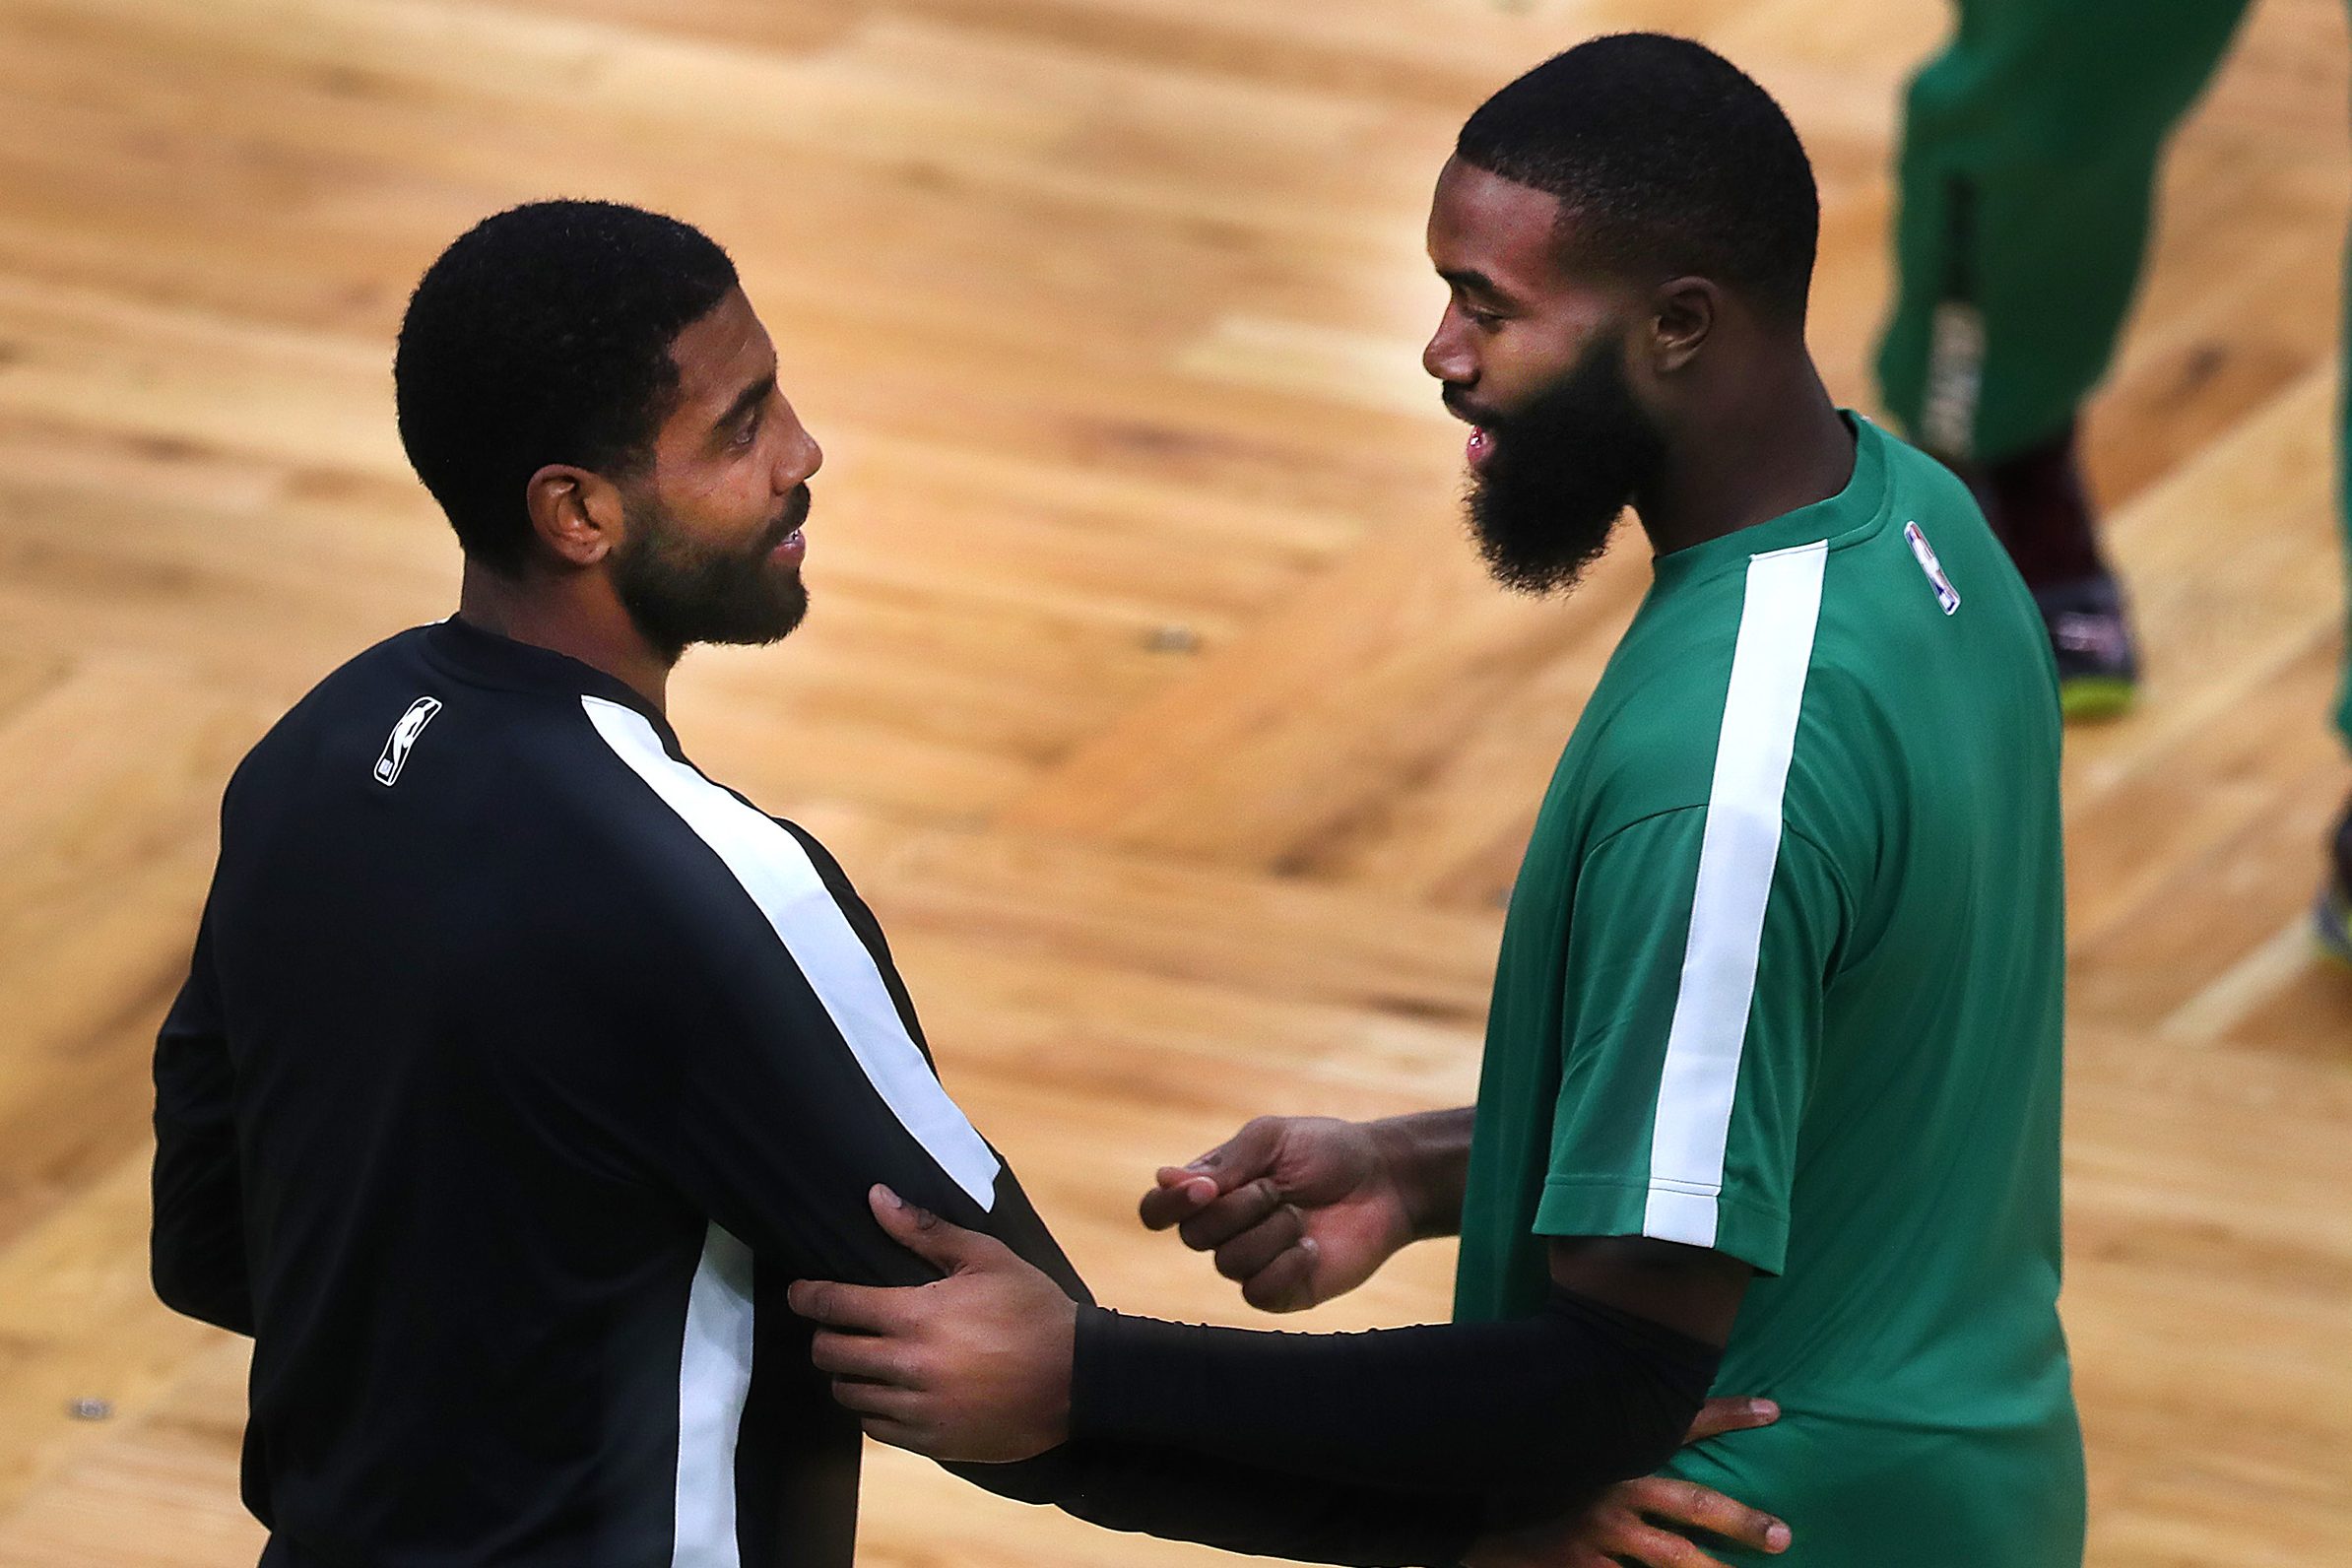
<point>1150,694</point>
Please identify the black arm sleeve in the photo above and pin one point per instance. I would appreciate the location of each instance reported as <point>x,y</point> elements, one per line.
<point>1578,1393</point>
<point>768,1116</point>
<point>1236,1507</point>
<point>196,1251</point>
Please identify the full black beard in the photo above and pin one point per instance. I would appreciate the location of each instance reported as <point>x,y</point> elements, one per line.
<point>679,591</point>
<point>1561,472</point>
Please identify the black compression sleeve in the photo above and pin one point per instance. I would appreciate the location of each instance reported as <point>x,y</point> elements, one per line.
<point>1238,1507</point>
<point>1578,1393</point>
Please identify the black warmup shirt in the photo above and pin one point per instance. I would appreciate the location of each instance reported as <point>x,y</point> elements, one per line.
<point>519,1069</point>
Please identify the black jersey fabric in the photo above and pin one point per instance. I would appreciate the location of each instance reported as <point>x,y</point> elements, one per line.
<point>518,1069</point>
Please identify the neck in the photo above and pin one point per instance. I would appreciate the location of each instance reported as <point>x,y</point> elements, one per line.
<point>576,614</point>
<point>1777,444</point>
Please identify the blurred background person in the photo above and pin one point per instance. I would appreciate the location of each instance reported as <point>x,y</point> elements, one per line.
<point>2028,171</point>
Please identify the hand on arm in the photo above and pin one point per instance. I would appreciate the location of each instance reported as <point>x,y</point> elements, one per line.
<point>986,1364</point>
<point>1301,1209</point>
<point>973,1366</point>
<point>977,1366</point>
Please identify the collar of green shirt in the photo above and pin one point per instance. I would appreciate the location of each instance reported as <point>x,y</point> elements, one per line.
<point>1853,515</point>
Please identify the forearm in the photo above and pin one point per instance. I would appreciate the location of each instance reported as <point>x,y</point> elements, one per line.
<point>1427,1155</point>
<point>1581,1393</point>
<point>1237,1507</point>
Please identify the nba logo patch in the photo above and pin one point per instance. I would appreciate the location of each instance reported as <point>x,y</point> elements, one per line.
<point>1945,594</point>
<point>404,736</point>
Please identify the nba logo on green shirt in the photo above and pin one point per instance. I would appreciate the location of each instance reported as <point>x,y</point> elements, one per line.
<point>1783,976</point>
<point>1945,594</point>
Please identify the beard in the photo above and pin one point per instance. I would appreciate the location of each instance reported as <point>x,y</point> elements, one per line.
<point>680,591</point>
<point>1559,473</point>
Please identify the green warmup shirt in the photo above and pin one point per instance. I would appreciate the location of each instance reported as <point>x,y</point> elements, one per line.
<point>1784,977</point>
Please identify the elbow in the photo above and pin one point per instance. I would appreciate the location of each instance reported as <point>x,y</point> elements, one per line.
<point>1653,1428</point>
<point>172,1289</point>
<point>1646,1424</point>
<point>189,1291</point>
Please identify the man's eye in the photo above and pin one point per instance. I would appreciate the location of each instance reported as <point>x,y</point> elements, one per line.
<point>1483,320</point>
<point>747,432</point>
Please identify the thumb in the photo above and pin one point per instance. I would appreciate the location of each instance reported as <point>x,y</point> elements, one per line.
<point>925,1234</point>
<point>1242,1158</point>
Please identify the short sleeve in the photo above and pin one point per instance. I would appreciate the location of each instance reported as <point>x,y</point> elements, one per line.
<point>1691,1030</point>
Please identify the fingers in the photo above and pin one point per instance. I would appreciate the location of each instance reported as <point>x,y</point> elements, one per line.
<point>1252,1250</point>
<point>1718,1416</point>
<point>887,1411</point>
<point>864,1309</point>
<point>1287,1283</point>
<point>1681,1502</point>
<point>866,1356</point>
<point>1179,1194</point>
<point>1212,1227</point>
<point>1183,1190</point>
<point>881,1401</point>
<point>1657,1549</point>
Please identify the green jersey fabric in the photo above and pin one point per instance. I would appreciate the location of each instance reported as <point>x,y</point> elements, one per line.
<point>2028,181</point>
<point>1783,976</point>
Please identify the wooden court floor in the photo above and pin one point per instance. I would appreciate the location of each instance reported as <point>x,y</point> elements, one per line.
<point>1151,690</point>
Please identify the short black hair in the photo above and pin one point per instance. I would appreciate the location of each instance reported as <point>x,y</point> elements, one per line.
<point>542,335</point>
<point>1668,160</point>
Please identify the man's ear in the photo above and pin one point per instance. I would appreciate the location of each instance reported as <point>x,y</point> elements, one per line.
<point>576,514</point>
<point>1683,313</point>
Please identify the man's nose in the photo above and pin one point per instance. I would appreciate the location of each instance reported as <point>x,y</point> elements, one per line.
<point>801,460</point>
<point>1448,357</point>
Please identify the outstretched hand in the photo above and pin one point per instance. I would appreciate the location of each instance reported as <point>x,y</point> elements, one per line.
<point>972,1367</point>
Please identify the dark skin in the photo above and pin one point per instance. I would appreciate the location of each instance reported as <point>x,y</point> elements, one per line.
<point>1750,430</point>
<point>726,456</point>
<point>978,1365</point>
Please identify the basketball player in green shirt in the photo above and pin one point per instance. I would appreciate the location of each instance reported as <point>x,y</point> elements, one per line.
<point>1773,1059</point>
<point>2028,178</point>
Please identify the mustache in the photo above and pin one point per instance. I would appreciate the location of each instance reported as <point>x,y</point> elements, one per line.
<point>794,513</point>
<point>1461,408</point>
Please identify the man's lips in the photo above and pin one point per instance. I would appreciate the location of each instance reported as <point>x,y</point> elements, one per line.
<point>1480,445</point>
<point>789,544</point>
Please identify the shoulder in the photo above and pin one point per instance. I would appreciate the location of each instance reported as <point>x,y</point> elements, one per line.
<point>347,722</point>
<point>350,684</point>
<point>1923,484</point>
<point>1743,710</point>
<point>1646,743</point>
<point>702,853</point>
